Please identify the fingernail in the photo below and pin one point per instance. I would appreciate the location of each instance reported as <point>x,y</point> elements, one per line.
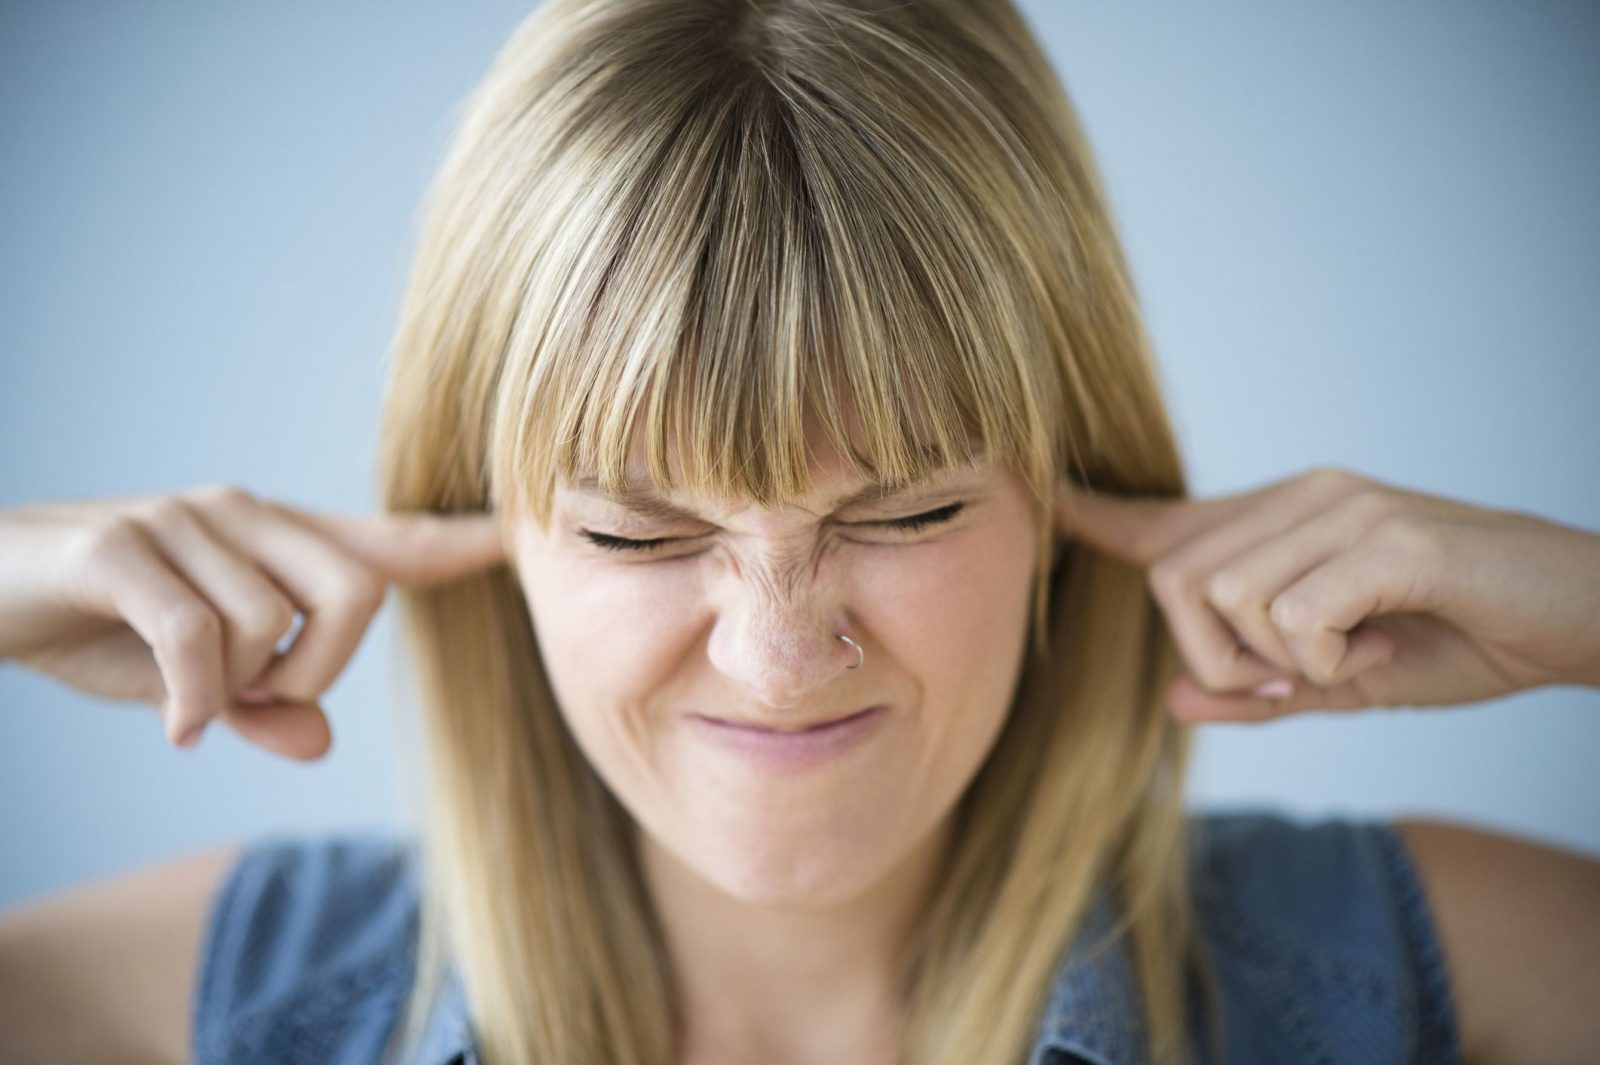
<point>192,737</point>
<point>256,697</point>
<point>1277,688</point>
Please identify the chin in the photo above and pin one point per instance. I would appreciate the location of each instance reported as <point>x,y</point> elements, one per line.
<point>774,870</point>
<point>800,885</point>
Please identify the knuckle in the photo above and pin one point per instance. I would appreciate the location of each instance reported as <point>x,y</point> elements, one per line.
<point>1228,590</point>
<point>162,512</point>
<point>267,620</point>
<point>1331,480</point>
<point>1290,614</point>
<point>220,497</point>
<point>363,591</point>
<point>189,624</point>
<point>1408,534</point>
<point>106,541</point>
<point>1167,577</point>
<point>1370,505</point>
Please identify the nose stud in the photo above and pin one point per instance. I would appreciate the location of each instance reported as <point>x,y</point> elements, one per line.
<point>861,656</point>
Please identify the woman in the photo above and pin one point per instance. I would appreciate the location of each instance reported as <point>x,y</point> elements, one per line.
<point>808,616</point>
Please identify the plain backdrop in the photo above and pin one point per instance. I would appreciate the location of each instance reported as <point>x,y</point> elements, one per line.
<point>1365,235</point>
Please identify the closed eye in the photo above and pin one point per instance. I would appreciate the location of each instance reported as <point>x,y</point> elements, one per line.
<point>917,522</point>
<point>910,524</point>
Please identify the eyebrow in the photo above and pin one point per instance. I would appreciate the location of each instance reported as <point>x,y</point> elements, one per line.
<point>645,501</point>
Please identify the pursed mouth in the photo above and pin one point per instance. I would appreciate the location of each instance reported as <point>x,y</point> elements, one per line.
<point>794,730</point>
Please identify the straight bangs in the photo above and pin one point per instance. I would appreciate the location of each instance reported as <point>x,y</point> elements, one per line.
<point>771,266</point>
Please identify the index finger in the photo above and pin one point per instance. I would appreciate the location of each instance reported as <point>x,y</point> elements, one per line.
<point>415,548</point>
<point>1136,529</point>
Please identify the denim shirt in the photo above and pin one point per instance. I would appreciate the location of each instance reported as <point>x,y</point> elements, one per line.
<point>1319,934</point>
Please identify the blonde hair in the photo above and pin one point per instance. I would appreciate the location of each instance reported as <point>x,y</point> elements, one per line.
<point>705,221</point>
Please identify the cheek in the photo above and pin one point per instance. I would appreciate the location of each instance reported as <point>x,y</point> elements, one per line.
<point>604,629</point>
<point>951,608</point>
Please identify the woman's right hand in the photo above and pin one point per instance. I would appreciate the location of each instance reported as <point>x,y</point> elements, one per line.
<point>181,600</point>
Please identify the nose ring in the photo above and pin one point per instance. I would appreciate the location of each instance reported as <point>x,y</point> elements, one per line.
<point>861,656</point>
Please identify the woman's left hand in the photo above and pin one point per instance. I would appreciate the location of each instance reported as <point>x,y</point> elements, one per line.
<point>1351,593</point>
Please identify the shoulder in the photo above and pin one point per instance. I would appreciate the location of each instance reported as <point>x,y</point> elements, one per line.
<point>118,954</point>
<point>1520,924</point>
<point>307,949</point>
<point>1321,940</point>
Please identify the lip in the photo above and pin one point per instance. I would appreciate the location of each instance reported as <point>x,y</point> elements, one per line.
<point>784,731</point>
<point>793,751</point>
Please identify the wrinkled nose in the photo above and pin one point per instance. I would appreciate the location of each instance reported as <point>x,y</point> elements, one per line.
<point>782,651</point>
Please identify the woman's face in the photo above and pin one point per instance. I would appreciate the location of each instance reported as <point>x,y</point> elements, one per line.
<point>734,617</point>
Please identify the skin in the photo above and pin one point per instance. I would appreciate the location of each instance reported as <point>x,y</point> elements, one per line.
<point>1357,593</point>
<point>786,897</point>
<point>1333,591</point>
<point>1329,591</point>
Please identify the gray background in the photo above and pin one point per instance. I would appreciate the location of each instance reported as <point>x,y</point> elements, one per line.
<point>1366,235</point>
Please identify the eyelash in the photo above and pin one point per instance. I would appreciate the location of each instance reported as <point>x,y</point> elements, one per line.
<point>911,524</point>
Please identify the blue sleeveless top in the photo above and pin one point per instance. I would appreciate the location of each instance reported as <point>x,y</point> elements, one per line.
<point>1319,933</point>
